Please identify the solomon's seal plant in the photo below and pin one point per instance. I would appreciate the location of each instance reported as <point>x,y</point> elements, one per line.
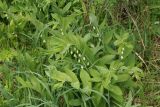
<point>65,53</point>
<point>102,73</point>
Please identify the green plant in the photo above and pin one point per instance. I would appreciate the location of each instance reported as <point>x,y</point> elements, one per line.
<point>66,53</point>
<point>101,69</point>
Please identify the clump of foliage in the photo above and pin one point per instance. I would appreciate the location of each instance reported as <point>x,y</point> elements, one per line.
<point>66,53</point>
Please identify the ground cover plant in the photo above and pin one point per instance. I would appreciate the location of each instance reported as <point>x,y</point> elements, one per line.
<point>79,53</point>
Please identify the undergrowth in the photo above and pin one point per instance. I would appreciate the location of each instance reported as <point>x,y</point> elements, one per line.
<point>79,53</point>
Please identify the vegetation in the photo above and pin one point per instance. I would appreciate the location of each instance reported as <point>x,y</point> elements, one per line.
<point>79,53</point>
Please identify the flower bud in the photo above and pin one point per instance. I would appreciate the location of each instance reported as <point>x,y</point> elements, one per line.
<point>77,51</point>
<point>84,58</point>
<point>79,60</point>
<point>79,55</point>
<point>62,33</point>
<point>82,67</point>
<point>44,41</point>
<point>71,52</point>
<point>75,55</point>
<point>122,52</point>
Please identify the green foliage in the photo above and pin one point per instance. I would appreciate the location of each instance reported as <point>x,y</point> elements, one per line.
<point>68,53</point>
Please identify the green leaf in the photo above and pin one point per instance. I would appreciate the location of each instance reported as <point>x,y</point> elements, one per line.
<point>110,50</point>
<point>96,97</point>
<point>130,100</point>
<point>130,60</point>
<point>118,99</point>
<point>66,21</point>
<point>12,26</point>
<point>93,19</point>
<point>128,50</point>
<point>5,93</point>
<point>115,89</point>
<point>123,77</point>
<point>94,73</point>
<point>67,7</point>
<point>3,5</point>
<point>106,79</point>
<point>107,59</point>
<point>87,37</point>
<point>57,75</point>
<point>32,83</point>
<point>107,37</point>
<point>7,54</point>
<point>23,83</point>
<point>86,81</point>
<point>83,7</point>
<point>105,75</point>
<point>74,80</point>
<point>121,39</point>
<point>35,84</point>
<point>96,79</point>
<point>75,102</point>
<point>58,85</point>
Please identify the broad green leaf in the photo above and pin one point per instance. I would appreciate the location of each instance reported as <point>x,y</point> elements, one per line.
<point>107,37</point>
<point>110,50</point>
<point>106,79</point>
<point>87,37</point>
<point>103,70</point>
<point>115,89</point>
<point>35,84</point>
<point>58,75</point>
<point>107,59</point>
<point>94,73</point>
<point>105,76</point>
<point>118,99</point>
<point>93,19</point>
<point>128,50</point>
<point>86,81</point>
<point>66,21</point>
<point>74,80</point>
<point>96,49</point>
<point>58,85</point>
<point>75,102</point>
<point>130,60</point>
<point>96,79</point>
<point>123,77</point>
<point>102,103</point>
<point>115,65</point>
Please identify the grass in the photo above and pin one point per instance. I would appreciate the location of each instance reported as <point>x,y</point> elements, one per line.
<point>85,53</point>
